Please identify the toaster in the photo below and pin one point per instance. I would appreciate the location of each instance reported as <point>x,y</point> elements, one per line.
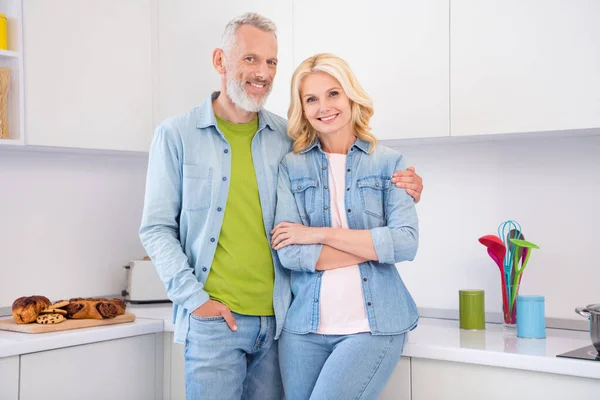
<point>143,284</point>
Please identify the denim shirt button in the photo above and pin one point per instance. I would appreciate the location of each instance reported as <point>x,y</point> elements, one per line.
<point>212,239</point>
<point>224,178</point>
<point>324,167</point>
<point>365,279</point>
<point>369,303</point>
<point>219,209</point>
<point>347,189</point>
<point>325,187</point>
<point>325,208</point>
<point>377,185</point>
<point>299,187</point>
<point>204,269</point>
<point>226,151</point>
<point>349,210</point>
<point>348,170</point>
<point>317,300</point>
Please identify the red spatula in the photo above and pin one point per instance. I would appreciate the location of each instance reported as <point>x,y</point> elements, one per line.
<point>497,250</point>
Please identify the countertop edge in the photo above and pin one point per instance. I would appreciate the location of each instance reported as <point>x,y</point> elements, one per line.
<point>556,365</point>
<point>148,324</point>
<point>78,337</point>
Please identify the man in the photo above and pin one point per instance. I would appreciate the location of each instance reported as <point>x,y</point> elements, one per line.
<point>209,208</point>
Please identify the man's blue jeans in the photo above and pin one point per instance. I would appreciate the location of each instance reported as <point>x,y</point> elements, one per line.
<point>222,364</point>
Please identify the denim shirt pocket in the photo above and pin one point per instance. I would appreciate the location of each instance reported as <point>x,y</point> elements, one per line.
<point>373,192</point>
<point>304,190</point>
<point>197,187</point>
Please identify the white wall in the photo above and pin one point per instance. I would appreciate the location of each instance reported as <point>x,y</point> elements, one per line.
<point>551,186</point>
<point>68,222</point>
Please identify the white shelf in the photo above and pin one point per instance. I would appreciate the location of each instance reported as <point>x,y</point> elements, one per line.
<point>11,142</point>
<point>13,59</point>
<point>10,54</point>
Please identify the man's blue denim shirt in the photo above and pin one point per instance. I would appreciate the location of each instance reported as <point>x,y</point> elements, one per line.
<point>372,202</point>
<point>186,192</point>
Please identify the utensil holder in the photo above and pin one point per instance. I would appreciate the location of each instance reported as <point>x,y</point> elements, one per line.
<point>509,314</point>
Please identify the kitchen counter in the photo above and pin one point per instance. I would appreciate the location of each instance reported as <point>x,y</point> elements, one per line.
<point>440,339</point>
<point>158,311</point>
<point>434,339</point>
<point>14,343</point>
<point>498,346</point>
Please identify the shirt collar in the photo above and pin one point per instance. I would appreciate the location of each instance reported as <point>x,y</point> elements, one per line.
<point>362,145</point>
<point>358,143</point>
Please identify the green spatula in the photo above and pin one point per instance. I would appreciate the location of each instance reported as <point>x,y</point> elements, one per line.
<point>519,271</point>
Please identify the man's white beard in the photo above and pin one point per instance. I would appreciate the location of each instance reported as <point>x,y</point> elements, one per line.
<point>236,90</point>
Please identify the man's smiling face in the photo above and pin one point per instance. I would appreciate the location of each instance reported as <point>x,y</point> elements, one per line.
<point>251,67</point>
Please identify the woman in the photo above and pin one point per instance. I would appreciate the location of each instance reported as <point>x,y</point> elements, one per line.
<point>341,227</point>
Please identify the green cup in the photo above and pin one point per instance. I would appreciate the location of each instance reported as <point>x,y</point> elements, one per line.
<point>471,308</point>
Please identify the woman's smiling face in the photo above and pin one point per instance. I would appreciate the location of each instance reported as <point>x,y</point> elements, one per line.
<point>325,104</point>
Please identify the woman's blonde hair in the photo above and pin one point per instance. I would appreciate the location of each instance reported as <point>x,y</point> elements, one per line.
<point>361,104</point>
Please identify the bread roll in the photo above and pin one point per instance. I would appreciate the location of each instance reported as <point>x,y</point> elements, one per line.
<point>88,311</point>
<point>72,308</point>
<point>26,309</point>
<point>121,306</point>
<point>107,309</point>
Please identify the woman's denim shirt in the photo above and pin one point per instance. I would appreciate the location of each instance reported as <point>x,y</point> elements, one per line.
<point>372,202</point>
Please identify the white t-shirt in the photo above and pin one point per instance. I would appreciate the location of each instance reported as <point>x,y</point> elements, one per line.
<point>342,302</point>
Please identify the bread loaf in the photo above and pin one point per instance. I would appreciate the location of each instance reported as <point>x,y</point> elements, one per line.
<point>26,309</point>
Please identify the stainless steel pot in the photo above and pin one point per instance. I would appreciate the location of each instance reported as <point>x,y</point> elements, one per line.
<point>592,312</point>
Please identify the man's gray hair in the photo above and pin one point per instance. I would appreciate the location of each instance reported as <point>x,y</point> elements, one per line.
<point>250,18</point>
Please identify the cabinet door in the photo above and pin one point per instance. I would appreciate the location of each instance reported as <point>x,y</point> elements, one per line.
<point>115,369</point>
<point>175,368</point>
<point>189,31</point>
<point>522,66</point>
<point>398,50</point>
<point>398,387</point>
<point>9,377</point>
<point>88,73</point>
<point>432,379</point>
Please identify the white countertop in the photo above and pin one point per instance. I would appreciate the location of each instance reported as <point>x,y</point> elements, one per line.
<point>498,346</point>
<point>13,343</point>
<point>434,339</point>
<point>159,311</point>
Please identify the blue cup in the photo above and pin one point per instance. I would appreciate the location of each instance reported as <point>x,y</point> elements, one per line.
<point>531,317</point>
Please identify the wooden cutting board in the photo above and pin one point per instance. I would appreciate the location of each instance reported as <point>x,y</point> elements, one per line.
<point>9,324</point>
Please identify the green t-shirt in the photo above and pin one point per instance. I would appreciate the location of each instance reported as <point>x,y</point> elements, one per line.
<point>242,275</point>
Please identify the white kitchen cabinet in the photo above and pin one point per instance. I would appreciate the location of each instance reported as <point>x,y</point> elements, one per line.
<point>398,50</point>
<point>432,379</point>
<point>88,73</point>
<point>398,387</point>
<point>174,383</point>
<point>12,58</point>
<point>9,378</point>
<point>524,65</point>
<point>189,31</point>
<point>115,369</point>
